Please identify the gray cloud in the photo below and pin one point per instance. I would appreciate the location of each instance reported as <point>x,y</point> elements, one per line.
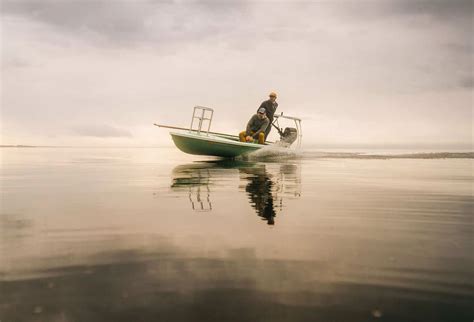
<point>154,21</point>
<point>101,131</point>
<point>445,11</point>
<point>452,9</point>
<point>467,82</point>
<point>128,23</point>
<point>444,29</point>
<point>14,62</point>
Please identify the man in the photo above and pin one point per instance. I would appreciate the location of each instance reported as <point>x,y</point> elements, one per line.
<point>270,107</point>
<point>256,128</point>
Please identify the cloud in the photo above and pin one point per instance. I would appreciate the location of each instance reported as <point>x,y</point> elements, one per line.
<point>125,23</point>
<point>101,131</point>
<point>467,82</point>
<point>133,63</point>
<point>455,10</point>
<point>458,12</point>
<point>11,61</point>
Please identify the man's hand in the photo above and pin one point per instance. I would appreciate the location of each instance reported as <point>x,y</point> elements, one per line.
<point>249,138</point>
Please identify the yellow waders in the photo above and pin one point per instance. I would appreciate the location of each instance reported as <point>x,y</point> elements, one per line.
<point>261,136</point>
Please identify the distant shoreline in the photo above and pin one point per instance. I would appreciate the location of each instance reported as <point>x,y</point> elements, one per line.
<point>18,146</point>
<point>306,153</point>
<point>375,156</point>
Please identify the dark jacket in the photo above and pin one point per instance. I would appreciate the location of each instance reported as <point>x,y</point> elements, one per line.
<point>257,125</point>
<point>270,107</point>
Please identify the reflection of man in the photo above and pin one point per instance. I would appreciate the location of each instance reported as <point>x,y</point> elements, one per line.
<point>270,107</point>
<point>255,128</point>
<point>259,190</point>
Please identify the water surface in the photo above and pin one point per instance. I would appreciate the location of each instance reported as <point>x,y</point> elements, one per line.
<point>155,235</point>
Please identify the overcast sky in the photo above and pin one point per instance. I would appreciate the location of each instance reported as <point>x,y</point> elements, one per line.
<point>101,72</point>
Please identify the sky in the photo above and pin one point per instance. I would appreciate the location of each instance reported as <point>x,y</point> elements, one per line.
<point>359,73</point>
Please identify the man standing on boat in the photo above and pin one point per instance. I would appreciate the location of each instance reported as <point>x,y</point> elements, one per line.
<point>256,128</point>
<point>270,107</point>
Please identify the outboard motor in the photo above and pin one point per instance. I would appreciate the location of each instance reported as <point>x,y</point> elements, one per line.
<point>289,135</point>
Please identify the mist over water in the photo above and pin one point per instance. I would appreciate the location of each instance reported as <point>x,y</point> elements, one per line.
<point>157,235</point>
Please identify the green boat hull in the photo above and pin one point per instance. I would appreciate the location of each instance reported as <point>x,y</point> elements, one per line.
<point>212,146</point>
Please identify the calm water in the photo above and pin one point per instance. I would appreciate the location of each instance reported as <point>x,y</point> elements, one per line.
<point>153,235</point>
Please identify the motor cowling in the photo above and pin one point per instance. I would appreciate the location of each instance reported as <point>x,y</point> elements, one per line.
<point>289,135</point>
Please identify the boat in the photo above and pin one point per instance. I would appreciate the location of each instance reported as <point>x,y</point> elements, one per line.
<point>199,140</point>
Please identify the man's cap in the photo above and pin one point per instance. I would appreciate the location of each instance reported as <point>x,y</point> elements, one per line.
<point>272,94</point>
<point>262,110</point>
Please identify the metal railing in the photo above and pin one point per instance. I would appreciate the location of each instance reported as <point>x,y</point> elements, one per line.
<point>201,114</point>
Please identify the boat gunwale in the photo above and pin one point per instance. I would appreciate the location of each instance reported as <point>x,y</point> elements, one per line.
<point>218,139</point>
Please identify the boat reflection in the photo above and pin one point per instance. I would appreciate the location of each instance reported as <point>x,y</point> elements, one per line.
<point>195,179</point>
<point>266,185</point>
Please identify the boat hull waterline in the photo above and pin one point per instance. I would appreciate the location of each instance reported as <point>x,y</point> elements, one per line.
<point>206,144</point>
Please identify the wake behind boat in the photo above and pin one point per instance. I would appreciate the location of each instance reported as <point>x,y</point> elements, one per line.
<point>199,140</point>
